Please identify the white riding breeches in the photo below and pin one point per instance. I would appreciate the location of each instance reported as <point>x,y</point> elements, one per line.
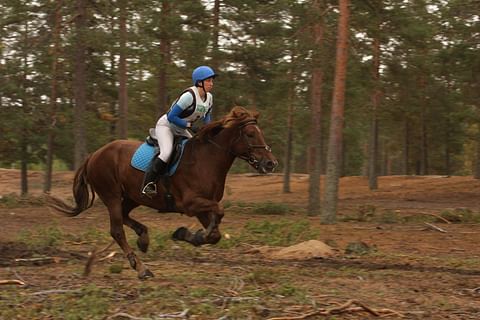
<point>165,131</point>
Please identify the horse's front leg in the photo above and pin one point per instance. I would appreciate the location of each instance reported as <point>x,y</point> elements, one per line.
<point>210,220</point>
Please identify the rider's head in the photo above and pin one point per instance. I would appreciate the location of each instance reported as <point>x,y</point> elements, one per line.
<point>202,73</point>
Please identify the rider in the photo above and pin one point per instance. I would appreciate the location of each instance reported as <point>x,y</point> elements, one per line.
<point>193,104</point>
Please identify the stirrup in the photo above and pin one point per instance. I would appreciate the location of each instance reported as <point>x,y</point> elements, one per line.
<point>150,189</point>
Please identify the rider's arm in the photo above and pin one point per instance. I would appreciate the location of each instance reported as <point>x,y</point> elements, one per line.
<point>174,117</point>
<point>185,100</point>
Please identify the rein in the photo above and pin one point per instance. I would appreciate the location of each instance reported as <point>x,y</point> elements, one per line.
<point>247,157</point>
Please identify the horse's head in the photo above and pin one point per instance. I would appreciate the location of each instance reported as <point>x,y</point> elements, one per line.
<point>250,146</point>
<point>243,138</point>
<point>249,143</point>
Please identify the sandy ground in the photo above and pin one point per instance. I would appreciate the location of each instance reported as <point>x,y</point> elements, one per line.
<point>416,270</point>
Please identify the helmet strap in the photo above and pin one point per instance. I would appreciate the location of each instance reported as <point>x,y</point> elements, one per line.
<point>202,85</point>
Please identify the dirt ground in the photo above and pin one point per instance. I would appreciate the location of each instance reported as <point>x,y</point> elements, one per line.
<point>415,264</point>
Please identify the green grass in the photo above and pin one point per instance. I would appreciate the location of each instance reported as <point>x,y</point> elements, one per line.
<point>281,233</point>
<point>42,237</point>
<point>461,216</point>
<point>260,208</point>
<point>12,200</point>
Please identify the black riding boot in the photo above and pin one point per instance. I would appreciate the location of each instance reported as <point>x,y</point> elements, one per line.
<point>156,169</point>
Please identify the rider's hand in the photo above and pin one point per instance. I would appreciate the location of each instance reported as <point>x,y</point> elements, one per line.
<point>195,129</point>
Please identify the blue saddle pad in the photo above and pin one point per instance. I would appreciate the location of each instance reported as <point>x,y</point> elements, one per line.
<point>144,154</point>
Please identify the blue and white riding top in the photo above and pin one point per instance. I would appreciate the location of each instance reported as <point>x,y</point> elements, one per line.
<point>190,107</point>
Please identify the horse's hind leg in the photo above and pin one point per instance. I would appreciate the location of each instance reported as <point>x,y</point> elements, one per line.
<point>117,232</point>
<point>140,229</point>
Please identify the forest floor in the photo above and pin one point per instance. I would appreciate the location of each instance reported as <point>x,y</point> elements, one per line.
<point>409,249</point>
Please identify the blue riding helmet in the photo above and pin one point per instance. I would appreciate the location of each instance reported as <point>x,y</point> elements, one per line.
<point>202,73</point>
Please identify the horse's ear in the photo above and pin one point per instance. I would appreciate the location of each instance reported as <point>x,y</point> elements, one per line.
<point>238,112</point>
<point>241,113</point>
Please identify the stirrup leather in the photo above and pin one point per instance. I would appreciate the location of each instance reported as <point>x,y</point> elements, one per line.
<point>150,189</point>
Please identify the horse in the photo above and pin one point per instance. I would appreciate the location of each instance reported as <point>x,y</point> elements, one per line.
<point>197,186</point>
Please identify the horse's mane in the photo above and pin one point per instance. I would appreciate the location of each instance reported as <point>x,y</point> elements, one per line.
<point>237,116</point>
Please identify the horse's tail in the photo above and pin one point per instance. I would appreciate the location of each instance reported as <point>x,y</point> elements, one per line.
<point>81,194</point>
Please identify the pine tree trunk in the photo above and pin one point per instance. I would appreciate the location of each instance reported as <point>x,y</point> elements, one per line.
<point>122,74</point>
<point>406,145</point>
<point>476,169</point>
<point>289,144</point>
<point>423,128</point>
<point>113,106</point>
<point>53,97</point>
<point>162,105</point>
<point>315,169</point>
<point>24,133</point>
<point>375,98</point>
<point>329,211</point>
<point>24,164</point>
<point>215,51</point>
<point>315,143</point>
<point>79,83</point>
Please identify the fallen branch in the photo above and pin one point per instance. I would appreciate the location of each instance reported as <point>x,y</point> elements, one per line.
<point>110,255</point>
<point>348,304</point>
<point>180,315</point>
<point>126,315</point>
<point>435,227</point>
<point>436,216</point>
<point>40,260</point>
<point>13,281</point>
<point>54,291</point>
<point>92,257</point>
<point>224,301</point>
<point>344,308</point>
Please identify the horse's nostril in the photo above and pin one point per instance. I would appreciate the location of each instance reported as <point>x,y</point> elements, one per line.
<point>271,164</point>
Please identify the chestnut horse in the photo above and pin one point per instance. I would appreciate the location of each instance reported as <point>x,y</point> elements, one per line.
<point>197,186</point>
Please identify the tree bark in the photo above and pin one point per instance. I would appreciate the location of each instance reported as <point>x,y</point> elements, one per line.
<point>315,169</point>
<point>375,98</point>
<point>165,45</point>
<point>215,34</point>
<point>25,130</point>
<point>476,169</point>
<point>53,97</point>
<point>336,126</point>
<point>79,83</point>
<point>122,73</point>
<point>289,144</point>
<point>215,47</point>
<point>423,128</point>
<point>315,143</point>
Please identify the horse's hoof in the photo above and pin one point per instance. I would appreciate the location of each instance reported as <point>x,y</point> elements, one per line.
<point>145,274</point>
<point>198,238</point>
<point>180,233</point>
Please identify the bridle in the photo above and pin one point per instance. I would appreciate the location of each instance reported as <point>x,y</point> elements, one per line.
<point>250,147</point>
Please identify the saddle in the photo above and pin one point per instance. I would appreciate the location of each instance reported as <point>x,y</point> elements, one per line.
<point>148,150</point>
<point>178,144</point>
<point>144,155</point>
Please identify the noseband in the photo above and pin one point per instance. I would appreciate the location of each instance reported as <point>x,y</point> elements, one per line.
<point>251,147</point>
<point>249,157</point>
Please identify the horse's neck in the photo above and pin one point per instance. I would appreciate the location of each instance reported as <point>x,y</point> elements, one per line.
<point>221,158</point>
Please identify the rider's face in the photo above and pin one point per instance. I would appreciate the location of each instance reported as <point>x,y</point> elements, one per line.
<point>208,84</point>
